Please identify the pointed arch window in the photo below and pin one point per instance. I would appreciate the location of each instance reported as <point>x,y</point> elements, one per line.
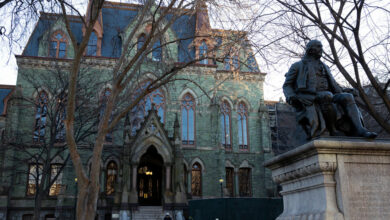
<point>60,118</point>
<point>196,180</point>
<point>138,113</point>
<point>40,117</point>
<point>188,119</point>
<point>244,179</point>
<point>57,46</point>
<point>141,41</point>
<point>92,45</point>
<point>104,99</point>
<point>111,175</point>
<point>225,125</point>
<point>203,53</point>
<point>157,51</point>
<point>242,118</point>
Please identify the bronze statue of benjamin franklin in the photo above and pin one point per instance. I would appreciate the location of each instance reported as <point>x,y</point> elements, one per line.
<point>319,101</point>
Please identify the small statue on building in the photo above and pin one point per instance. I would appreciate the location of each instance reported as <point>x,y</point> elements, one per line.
<point>319,101</point>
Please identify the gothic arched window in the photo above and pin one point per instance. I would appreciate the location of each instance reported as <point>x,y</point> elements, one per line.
<point>157,51</point>
<point>242,112</point>
<point>139,112</point>
<point>196,180</point>
<point>203,53</point>
<point>57,46</point>
<point>92,45</point>
<point>111,175</point>
<point>60,118</point>
<point>244,179</point>
<point>188,119</point>
<point>226,125</point>
<point>40,116</point>
<point>104,99</point>
<point>141,41</point>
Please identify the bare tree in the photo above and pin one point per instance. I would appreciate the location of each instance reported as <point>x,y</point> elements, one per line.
<point>41,156</point>
<point>358,42</point>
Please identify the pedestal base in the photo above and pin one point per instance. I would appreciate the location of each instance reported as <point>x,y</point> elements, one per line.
<point>335,179</point>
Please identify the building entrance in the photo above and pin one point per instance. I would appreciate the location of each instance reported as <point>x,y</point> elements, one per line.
<point>149,178</point>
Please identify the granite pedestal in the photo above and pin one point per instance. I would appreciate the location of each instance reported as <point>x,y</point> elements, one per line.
<point>335,179</point>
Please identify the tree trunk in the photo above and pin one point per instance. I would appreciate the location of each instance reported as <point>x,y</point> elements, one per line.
<point>37,207</point>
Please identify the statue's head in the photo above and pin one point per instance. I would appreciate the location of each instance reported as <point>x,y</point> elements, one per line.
<point>314,49</point>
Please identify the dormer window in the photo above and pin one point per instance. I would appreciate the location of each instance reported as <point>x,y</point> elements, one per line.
<point>203,53</point>
<point>157,51</point>
<point>92,45</point>
<point>57,46</point>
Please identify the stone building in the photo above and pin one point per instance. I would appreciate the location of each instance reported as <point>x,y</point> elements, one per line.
<point>175,146</point>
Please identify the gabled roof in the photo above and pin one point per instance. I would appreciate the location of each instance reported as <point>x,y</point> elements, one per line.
<point>116,17</point>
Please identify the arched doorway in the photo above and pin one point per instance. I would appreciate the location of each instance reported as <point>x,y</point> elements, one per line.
<point>149,178</point>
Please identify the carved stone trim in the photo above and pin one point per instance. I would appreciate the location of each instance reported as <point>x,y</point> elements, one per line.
<point>305,171</point>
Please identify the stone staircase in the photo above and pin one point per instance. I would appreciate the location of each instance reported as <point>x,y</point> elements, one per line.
<point>149,213</point>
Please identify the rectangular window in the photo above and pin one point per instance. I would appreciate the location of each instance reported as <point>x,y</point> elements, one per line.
<point>244,178</point>
<point>34,178</point>
<point>55,188</point>
<point>53,48</point>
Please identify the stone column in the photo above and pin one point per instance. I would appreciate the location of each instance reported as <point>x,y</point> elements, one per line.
<point>168,177</point>
<point>134,178</point>
<point>236,182</point>
<point>133,193</point>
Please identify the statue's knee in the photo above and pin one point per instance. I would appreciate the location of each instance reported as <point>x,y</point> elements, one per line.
<point>325,97</point>
<point>345,98</point>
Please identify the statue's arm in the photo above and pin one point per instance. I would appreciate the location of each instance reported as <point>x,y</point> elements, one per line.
<point>290,81</point>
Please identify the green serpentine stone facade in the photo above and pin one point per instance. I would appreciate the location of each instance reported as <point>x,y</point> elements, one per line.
<point>126,150</point>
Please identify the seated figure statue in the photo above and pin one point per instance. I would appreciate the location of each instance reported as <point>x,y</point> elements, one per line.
<point>319,101</point>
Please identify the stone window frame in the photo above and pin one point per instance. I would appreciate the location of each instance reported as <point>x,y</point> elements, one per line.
<point>240,113</point>
<point>199,169</point>
<point>193,106</point>
<point>227,113</point>
<point>54,39</point>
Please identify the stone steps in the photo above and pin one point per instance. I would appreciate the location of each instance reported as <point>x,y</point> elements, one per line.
<point>149,213</point>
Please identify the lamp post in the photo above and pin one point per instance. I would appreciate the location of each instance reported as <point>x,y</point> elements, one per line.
<point>75,196</point>
<point>221,182</point>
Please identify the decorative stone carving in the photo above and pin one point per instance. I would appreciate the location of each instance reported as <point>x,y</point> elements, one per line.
<point>334,178</point>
